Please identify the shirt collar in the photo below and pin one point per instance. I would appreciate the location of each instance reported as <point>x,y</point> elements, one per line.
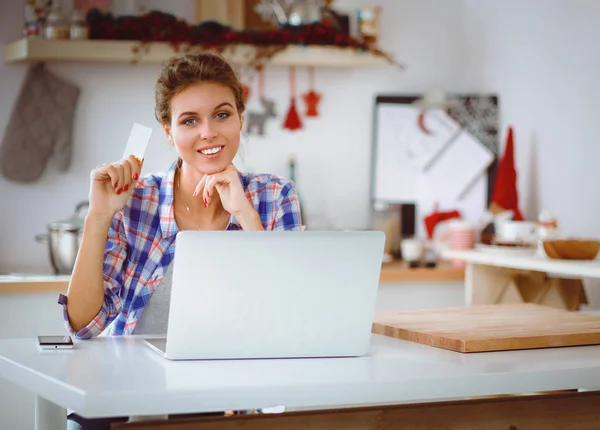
<point>168,226</point>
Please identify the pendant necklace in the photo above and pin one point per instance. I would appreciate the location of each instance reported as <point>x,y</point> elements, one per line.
<point>187,208</point>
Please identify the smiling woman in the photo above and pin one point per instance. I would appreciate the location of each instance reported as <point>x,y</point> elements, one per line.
<point>124,262</point>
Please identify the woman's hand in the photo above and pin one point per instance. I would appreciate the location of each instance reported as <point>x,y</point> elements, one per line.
<point>233,198</point>
<point>111,185</point>
<point>228,185</point>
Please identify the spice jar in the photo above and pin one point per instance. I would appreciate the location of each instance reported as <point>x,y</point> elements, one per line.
<point>79,29</point>
<point>56,26</point>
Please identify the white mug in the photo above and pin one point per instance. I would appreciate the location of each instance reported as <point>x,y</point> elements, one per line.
<point>515,231</point>
<point>412,249</point>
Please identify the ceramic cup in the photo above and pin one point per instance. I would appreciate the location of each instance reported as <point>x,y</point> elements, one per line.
<point>412,249</point>
<point>515,231</point>
<point>462,237</point>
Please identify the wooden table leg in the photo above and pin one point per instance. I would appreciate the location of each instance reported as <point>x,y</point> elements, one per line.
<point>485,285</point>
<point>572,410</point>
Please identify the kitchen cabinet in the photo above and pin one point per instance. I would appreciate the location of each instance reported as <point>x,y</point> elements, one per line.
<point>26,314</point>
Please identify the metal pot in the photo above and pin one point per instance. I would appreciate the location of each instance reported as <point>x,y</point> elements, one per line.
<point>297,12</point>
<point>63,240</point>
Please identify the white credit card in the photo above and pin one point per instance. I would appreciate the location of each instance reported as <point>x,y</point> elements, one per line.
<point>138,141</point>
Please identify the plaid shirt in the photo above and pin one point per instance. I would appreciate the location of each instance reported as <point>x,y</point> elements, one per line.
<point>141,244</point>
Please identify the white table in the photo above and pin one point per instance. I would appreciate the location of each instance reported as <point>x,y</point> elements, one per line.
<point>490,278</point>
<point>120,376</point>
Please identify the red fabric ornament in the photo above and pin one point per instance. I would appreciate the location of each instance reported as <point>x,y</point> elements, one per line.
<point>312,98</point>
<point>437,217</point>
<point>505,188</point>
<point>246,92</point>
<point>292,119</point>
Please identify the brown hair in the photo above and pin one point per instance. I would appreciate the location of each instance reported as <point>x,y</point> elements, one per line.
<point>181,72</point>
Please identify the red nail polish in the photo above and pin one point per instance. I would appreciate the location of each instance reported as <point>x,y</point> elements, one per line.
<point>119,190</point>
<point>208,194</point>
<point>205,204</point>
<point>135,176</point>
<point>126,187</point>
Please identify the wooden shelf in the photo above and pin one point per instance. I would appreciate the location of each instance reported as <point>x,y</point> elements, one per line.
<point>119,51</point>
<point>399,271</point>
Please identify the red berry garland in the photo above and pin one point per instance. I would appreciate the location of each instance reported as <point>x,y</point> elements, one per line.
<point>158,26</point>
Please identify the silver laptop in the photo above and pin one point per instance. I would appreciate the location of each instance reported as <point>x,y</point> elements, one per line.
<point>256,294</point>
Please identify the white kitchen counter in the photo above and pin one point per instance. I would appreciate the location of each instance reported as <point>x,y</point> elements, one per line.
<point>121,376</point>
<point>393,272</point>
<point>575,268</point>
<point>33,283</point>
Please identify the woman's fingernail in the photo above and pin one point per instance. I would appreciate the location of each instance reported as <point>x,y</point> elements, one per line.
<point>135,176</point>
<point>205,204</point>
<point>126,187</point>
<point>208,193</point>
<point>119,190</point>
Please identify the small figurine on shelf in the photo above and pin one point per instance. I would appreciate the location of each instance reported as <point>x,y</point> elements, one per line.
<point>36,13</point>
<point>547,229</point>
<point>368,23</point>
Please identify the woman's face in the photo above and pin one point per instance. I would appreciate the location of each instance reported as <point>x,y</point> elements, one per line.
<point>205,126</point>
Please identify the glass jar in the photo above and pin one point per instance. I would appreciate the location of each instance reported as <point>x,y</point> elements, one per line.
<point>79,28</point>
<point>56,26</point>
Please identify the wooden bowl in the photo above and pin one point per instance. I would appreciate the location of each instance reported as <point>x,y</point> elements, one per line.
<point>572,249</point>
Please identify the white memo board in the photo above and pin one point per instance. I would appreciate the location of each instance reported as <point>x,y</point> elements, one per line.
<point>412,167</point>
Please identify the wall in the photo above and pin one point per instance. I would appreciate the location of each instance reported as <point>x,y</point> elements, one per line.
<point>114,96</point>
<point>538,55</point>
<point>542,57</point>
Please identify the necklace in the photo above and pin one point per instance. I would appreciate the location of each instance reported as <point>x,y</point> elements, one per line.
<point>187,208</point>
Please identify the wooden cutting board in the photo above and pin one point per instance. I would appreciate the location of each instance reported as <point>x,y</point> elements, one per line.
<point>490,327</point>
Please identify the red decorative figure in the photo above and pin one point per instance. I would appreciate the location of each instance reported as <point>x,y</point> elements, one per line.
<point>246,92</point>
<point>506,194</point>
<point>312,98</point>
<point>292,119</point>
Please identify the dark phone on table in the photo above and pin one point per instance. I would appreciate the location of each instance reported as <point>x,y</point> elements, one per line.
<point>55,342</point>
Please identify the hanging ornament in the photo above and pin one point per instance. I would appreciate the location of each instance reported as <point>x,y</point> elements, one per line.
<point>256,119</point>
<point>292,119</point>
<point>312,98</point>
<point>246,92</point>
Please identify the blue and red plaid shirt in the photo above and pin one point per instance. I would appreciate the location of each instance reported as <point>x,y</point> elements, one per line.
<point>141,244</point>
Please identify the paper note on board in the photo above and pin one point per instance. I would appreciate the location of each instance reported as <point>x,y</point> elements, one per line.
<point>422,148</point>
<point>138,141</point>
<point>458,167</point>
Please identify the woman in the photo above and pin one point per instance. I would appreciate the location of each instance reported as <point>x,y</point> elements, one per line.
<point>124,261</point>
<point>129,232</point>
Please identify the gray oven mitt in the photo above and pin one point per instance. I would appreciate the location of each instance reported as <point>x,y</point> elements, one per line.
<point>40,126</point>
